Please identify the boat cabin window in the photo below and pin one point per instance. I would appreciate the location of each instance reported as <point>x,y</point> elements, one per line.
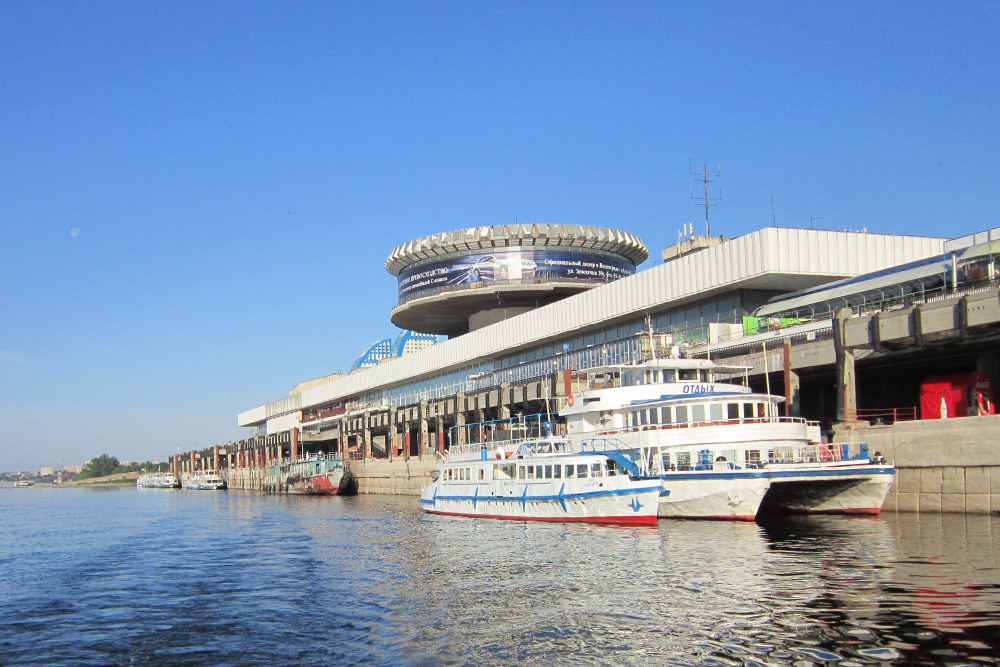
<point>684,461</point>
<point>698,412</point>
<point>656,376</point>
<point>688,373</point>
<point>669,375</point>
<point>748,411</point>
<point>503,471</point>
<point>665,461</point>
<point>548,472</point>
<point>752,458</point>
<point>706,376</point>
<point>715,412</point>
<point>682,414</point>
<point>667,414</point>
<point>732,411</point>
<point>642,418</point>
<point>569,472</point>
<point>520,472</point>
<point>557,472</point>
<point>482,474</point>
<point>595,470</point>
<point>531,472</point>
<point>581,470</point>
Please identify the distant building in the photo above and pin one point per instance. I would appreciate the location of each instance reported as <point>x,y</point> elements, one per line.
<point>76,470</point>
<point>47,470</point>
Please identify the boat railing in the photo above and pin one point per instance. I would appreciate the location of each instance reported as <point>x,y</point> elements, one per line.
<point>838,451</point>
<point>308,458</point>
<point>717,422</point>
<point>627,457</point>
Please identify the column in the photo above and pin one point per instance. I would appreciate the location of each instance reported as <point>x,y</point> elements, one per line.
<point>847,396</point>
<point>791,383</point>
<point>460,417</point>
<point>424,438</point>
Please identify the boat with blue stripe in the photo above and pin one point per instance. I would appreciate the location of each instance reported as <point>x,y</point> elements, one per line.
<point>539,479</point>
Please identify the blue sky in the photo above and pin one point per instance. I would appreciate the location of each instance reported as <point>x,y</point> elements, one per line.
<point>238,172</point>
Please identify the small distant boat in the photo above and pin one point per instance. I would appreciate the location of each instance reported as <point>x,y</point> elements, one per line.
<point>317,475</point>
<point>207,480</point>
<point>23,482</point>
<point>159,480</point>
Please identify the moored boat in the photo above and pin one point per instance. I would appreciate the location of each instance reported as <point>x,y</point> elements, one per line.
<point>720,449</point>
<point>158,480</point>
<point>539,479</point>
<point>206,480</point>
<point>317,475</point>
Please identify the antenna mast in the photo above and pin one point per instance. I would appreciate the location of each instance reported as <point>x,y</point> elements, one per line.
<point>706,200</point>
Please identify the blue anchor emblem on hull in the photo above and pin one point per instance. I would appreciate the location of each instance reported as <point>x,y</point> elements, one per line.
<point>635,505</point>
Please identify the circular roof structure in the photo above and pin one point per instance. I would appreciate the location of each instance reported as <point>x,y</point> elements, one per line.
<point>453,282</point>
<point>566,237</point>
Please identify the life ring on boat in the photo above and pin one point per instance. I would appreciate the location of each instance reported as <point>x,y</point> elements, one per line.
<point>570,400</point>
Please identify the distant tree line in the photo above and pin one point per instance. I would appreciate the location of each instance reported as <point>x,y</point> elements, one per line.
<point>105,465</point>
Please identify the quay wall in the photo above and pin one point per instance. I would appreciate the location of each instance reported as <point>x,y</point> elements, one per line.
<point>942,465</point>
<point>394,477</point>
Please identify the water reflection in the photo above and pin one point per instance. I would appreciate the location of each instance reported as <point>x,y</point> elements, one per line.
<point>241,579</point>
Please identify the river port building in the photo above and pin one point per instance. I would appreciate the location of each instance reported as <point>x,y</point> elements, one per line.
<point>402,407</point>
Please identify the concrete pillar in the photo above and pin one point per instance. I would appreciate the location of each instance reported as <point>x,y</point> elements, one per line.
<point>460,417</point>
<point>215,456</point>
<point>505,400</point>
<point>424,439</point>
<point>791,384</point>
<point>406,442</point>
<point>391,442</point>
<point>367,434</point>
<point>440,432</point>
<point>294,454</point>
<point>847,395</point>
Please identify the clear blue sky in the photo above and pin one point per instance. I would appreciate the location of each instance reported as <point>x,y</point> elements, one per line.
<point>238,172</point>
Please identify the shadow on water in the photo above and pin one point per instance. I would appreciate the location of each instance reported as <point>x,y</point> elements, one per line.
<point>189,578</point>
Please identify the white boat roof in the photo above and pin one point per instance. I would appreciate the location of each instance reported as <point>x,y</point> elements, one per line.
<point>669,363</point>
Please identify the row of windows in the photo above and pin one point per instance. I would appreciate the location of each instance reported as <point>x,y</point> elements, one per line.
<point>700,412</point>
<point>513,471</point>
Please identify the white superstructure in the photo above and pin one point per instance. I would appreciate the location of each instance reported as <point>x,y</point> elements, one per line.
<point>719,447</point>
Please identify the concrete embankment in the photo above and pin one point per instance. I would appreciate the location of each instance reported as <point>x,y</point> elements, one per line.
<point>396,477</point>
<point>942,465</point>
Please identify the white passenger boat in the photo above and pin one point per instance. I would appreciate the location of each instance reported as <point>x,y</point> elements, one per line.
<point>207,480</point>
<point>158,480</point>
<point>538,479</point>
<point>720,449</point>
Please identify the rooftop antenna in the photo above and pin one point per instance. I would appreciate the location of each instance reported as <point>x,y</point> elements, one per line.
<point>774,218</point>
<point>705,200</point>
<point>813,219</point>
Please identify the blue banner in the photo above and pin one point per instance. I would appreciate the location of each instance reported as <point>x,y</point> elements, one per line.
<point>514,267</point>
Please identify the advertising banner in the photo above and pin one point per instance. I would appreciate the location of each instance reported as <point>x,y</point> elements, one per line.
<point>512,266</point>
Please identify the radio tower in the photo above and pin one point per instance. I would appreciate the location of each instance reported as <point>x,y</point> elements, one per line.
<point>705,200</point>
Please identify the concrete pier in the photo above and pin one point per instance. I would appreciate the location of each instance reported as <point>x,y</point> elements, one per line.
<point>942,465</point>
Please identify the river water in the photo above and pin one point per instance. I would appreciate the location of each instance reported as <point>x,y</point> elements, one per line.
<point>126,576</point>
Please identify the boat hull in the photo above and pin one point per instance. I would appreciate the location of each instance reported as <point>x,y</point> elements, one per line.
<point>311,478</point>
<point>732,496</point>
<point>822,489</point>
<point>620,506</point>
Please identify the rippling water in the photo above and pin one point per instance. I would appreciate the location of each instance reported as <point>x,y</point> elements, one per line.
<point>160,577</point>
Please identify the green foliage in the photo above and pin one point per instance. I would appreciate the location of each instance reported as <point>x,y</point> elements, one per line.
<point>105,465</point>
<point>99,467</point>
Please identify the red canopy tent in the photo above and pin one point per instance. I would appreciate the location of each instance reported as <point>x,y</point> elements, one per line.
<point>963,395</point>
